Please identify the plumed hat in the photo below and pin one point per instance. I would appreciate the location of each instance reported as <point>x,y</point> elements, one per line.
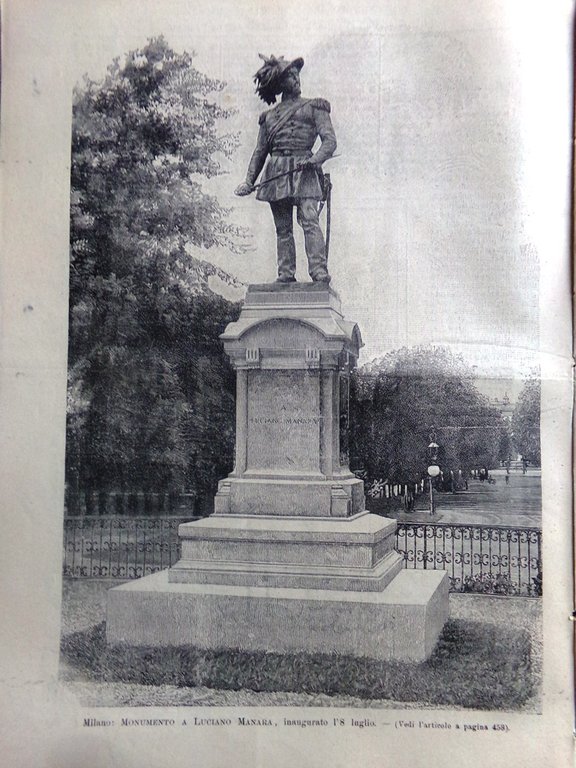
<point>268,77</point>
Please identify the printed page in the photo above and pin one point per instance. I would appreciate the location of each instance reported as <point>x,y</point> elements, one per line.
<point>286,487</point>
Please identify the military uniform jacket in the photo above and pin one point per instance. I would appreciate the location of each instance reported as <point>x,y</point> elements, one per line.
<point>287,135</point>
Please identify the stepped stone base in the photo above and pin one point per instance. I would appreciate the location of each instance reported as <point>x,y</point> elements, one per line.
<point>356,554</point>
<point>401,623</point>
<point>289,585</point>
<point>290,561</point>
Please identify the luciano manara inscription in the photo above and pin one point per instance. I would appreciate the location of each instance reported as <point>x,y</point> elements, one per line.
<point>284,422</point>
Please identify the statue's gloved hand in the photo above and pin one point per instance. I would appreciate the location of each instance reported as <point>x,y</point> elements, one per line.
<point>244,189</point>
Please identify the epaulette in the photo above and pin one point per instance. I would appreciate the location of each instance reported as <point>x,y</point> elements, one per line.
<point>262,118</point>
<point>321,104</point>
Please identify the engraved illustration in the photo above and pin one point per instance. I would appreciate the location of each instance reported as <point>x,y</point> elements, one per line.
<point>258,512</point>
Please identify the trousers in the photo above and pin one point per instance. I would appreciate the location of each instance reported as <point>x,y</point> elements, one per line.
<point>307,217</point>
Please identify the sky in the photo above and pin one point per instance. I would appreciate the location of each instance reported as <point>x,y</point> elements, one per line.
<point>440,204</point>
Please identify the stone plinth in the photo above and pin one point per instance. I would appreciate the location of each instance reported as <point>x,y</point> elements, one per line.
<point>290,561</point>
<point>293,353</point>
<point>401,623</point>
<point>293,552</point>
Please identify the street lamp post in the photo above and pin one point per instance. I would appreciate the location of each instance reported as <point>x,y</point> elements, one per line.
<point>433,469</point>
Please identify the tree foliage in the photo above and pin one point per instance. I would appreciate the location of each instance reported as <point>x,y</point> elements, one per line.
<point>150,391</point>
<point>526,421</point>
<point>400,400</point>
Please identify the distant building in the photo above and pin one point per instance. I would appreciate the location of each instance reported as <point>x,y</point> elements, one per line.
<point>504,405</point>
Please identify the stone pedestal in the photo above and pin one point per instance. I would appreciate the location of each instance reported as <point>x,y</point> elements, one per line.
<point>293,353</point>
<point>290,561</point>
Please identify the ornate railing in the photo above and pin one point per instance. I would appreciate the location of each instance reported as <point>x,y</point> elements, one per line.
<point>495,560</point>
<point>120,547</point>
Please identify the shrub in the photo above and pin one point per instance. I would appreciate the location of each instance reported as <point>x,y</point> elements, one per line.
<point>489,584</point>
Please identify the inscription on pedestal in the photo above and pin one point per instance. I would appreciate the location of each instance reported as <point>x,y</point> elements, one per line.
<point>283,421</point>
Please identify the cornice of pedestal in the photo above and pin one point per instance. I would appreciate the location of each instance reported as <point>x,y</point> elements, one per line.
<point>310,358</point>
<point>330,327</point>
<point>284,321</point>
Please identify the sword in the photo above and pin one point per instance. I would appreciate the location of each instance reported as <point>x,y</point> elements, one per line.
<point>273,178</point>
<point>286,173</point>
<point>326,199</point>
<point>328,211</point>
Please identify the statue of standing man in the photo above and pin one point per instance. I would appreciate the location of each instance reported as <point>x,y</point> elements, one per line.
<point>293,175</point>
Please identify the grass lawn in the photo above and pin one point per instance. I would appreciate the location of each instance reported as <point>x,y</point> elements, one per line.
<point>488,657</point>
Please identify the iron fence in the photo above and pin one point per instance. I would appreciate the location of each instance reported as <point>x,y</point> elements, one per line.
<point>120,547</point>
<point>496,560</point>
<point>478,558</point>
